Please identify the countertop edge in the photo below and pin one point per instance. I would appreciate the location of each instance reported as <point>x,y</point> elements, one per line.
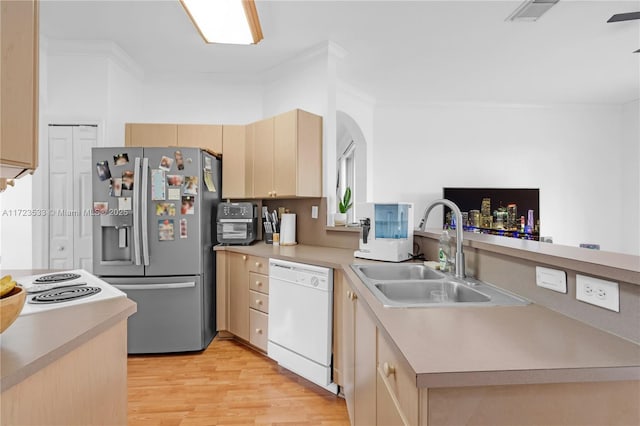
<point>519,377</point>
<point>448,379</point>
<point>120,313</point>
<point>616,266</point>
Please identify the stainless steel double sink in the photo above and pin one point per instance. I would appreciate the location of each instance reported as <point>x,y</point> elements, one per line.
<point>408,285</point>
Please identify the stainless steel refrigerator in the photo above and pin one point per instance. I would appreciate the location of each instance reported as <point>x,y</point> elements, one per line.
<point>154,212</point>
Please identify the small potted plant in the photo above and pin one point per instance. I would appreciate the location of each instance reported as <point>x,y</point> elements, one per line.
<point>340,219</point>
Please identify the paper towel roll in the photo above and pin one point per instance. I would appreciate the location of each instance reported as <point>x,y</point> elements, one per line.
<point>288,229</point>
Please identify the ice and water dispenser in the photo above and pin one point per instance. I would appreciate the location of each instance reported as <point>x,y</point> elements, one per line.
<point>386,231</point>
<point>117,245</point>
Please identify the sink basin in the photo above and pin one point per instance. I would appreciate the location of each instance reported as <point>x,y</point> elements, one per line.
<point>413,292</point>
<point>415,285</point>
<point>398,272</point>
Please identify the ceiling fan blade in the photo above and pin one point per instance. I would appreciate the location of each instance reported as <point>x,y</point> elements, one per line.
<point>619,17</point>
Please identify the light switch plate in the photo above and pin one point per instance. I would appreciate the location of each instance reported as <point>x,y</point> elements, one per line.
<point>605,294</point>
<point>553,279</point>
<point>314,212</point>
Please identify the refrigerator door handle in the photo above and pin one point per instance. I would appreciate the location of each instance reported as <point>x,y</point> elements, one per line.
<point>145,220</point>
<point>136,212</point>
<point>154,286</point>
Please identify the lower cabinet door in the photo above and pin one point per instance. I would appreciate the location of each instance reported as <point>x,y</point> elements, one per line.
<point>258,323</point>
<point>388,412</point>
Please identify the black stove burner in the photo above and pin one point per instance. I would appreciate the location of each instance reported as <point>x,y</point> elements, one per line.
<point>56,278</point>
<point>64,294</point>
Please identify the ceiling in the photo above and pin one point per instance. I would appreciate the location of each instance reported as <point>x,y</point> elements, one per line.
<point>415,51</point>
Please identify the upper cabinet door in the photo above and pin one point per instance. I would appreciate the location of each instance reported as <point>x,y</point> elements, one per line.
<point>263,154</point>
<point>285,154</point>
<point>236,168</point>
<point>151,135</point>
<point>205,136</point>
<point>18,87</point>
<point>297,155</point>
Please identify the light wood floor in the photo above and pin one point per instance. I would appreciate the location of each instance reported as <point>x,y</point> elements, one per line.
<point>227,384</point>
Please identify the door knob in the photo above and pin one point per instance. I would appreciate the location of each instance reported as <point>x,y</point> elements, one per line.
<point>60,248</point>
<point>259,330</point>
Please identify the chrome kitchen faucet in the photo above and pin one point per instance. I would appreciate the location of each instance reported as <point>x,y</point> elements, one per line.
<point>459,228</point>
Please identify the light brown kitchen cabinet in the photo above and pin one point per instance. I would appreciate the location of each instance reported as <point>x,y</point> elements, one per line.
<point>263,153</point>
<point>237,164</point>
<point>204,136</point>
<point>287,152</point>
<point>242,293</point>
<point>238,305</point>
<point>151,135</point>
<point>18,87</point>
<point>258,302</point>
<point>396,385</point>
<point>358,358</point>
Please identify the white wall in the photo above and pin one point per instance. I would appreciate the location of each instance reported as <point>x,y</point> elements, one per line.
<point>630,160</point>
<point>15,226</point>
<point>197,99</point>
<point>572,153</point>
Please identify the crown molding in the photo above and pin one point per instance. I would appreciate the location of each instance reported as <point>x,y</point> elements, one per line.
<point>94,48</point>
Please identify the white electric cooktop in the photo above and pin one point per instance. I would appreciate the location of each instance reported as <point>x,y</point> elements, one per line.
<point>62,289</point>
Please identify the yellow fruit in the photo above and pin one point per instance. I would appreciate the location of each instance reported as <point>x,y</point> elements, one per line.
<point>6,285</point>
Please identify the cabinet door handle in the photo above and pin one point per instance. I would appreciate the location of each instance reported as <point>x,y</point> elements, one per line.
<point>258,264</point>
<point>351,295</point>
<point>259,283</point>
<point>388,369</point>
<point>258,330</point>
<point>258,302</point>
<point>244,257</point>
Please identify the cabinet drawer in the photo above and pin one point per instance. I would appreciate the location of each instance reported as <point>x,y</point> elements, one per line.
<point>400,379</point>
<point>259,282</point>
<point>259,265</point>
<point>259,301</point>
<point>258,322</point>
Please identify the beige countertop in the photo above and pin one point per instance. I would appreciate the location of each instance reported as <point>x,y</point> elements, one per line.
<point>465,346</point>
<point>33,342</point>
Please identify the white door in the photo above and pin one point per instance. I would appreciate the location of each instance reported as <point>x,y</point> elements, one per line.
<point>70,196</point>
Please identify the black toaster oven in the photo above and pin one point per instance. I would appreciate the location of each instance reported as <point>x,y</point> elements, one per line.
<point>237,223</point>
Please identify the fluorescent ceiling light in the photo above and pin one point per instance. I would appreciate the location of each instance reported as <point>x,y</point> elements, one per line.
<point>225,21</point>
<point>531,10</point>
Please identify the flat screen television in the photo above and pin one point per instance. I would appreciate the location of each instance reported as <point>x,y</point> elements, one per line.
<point>525,199</point>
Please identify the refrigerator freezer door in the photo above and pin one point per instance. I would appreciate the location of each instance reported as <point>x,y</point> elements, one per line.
<point>169,316</point>
<point>115,230</point>
<point>174,233</point>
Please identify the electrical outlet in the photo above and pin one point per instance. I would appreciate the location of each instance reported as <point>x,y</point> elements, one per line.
<point>552,279</point>
<point>605,294</point>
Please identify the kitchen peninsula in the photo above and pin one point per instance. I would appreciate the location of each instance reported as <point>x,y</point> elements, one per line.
<point>471,365</point>
<point>67,366</point>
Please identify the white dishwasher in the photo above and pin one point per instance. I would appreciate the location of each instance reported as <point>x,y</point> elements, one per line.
<point>300,320</point>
